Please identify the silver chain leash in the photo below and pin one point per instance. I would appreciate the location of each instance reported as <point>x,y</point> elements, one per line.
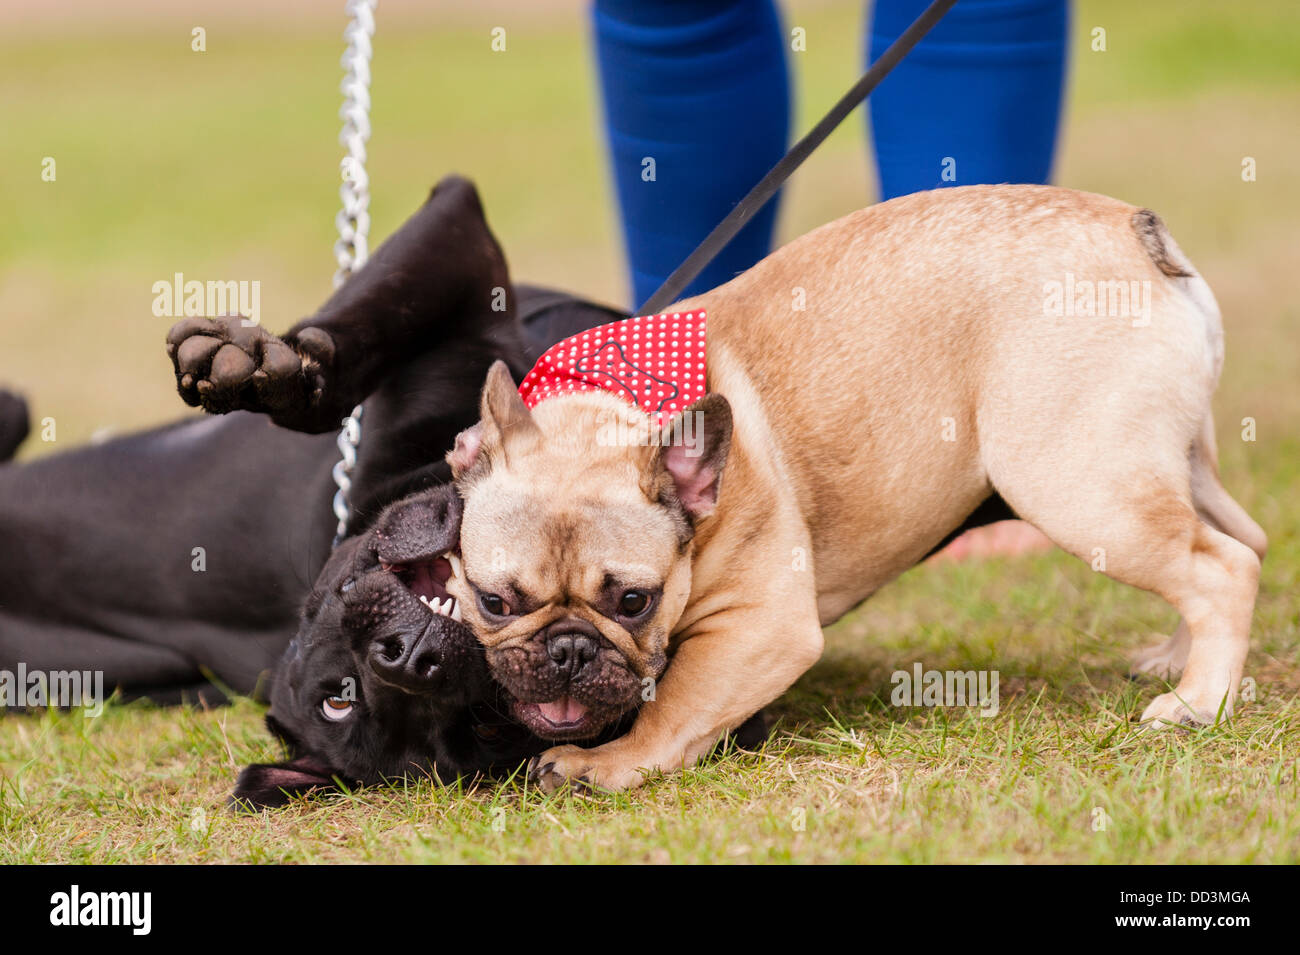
<point>353,219</point>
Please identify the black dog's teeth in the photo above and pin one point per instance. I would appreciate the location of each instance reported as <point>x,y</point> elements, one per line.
<point>444,608</point>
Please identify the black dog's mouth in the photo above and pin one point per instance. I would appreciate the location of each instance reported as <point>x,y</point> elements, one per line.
<point>427,579</point>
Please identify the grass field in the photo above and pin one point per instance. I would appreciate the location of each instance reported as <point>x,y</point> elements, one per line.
<point>224,164</point>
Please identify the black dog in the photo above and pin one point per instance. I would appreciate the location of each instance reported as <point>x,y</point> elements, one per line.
<point>378,684</point>
<point>177,561</point>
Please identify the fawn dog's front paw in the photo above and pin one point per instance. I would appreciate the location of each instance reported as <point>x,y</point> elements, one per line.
<point>595,768</point>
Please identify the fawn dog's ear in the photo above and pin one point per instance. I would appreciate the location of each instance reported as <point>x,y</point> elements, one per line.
<point>505,421</point>
<point>692,452</point>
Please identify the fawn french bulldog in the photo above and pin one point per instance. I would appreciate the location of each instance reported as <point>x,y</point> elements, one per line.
<point>1051,348</point>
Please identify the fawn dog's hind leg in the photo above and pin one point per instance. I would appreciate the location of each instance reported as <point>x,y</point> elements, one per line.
<point>1217,508</point>
<point>1140,509</point>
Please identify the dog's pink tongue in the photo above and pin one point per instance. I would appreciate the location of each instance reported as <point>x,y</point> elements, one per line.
<point>564,710</point>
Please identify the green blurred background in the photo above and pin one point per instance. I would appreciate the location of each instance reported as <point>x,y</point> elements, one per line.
<point>224,164</point>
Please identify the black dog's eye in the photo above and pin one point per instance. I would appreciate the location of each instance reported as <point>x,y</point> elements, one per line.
<point>494,605</point>
<point>336,708</point>
<point>633,603</point>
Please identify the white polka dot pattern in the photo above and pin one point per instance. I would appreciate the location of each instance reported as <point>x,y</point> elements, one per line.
<point>655,362</point>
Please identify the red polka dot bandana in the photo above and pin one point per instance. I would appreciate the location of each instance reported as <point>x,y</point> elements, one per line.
<point>655,362</point>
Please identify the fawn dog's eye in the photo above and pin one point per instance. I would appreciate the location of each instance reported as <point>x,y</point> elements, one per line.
<point>633,603</point>
<point>494,605</point>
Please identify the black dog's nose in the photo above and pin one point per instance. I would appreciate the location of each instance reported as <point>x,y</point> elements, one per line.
<point>571,652</point>
<point>410,662</point>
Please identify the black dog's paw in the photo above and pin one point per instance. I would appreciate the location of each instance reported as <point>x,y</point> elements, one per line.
<point>224,364</point>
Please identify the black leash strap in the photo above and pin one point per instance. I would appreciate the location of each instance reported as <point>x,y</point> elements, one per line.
<point>757,197</point>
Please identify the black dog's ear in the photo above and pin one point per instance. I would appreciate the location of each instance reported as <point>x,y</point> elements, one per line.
<point>272,785</point>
